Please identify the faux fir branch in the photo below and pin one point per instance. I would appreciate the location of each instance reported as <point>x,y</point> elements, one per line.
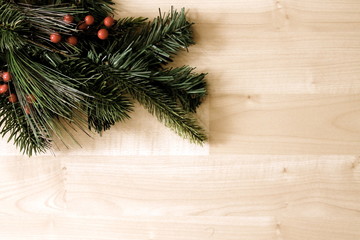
<point>70,63</point>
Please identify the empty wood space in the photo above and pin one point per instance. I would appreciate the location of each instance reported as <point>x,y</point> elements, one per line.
<point>283,157</point>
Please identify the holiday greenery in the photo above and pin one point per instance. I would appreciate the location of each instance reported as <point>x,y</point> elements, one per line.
<point>71,64</point>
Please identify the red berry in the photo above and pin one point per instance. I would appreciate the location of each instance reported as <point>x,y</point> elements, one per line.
<point>103,34</point>
<point>83,26</point>
<point>30,98</point>
<point>108,21</point>
<point>27,109</point>
<point>6,76</point>
<point>13,98</point>
<point>4,88</point>
<point>72,40</point>
<point>55,37</point>
<point>68,18</point>
<point>89,20</point>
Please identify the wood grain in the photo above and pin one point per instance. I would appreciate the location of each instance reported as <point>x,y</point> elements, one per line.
<point>285,124</point>
<point>282,162</point>
<point>244,185</point>
<point>163,228</point>
<point>255,197</point>
<point>276,62</point>
<point>178,228</point>
<point>214,186</point>
<point>31,186</point>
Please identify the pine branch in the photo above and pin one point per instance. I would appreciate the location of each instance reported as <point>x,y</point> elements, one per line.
<point>105,113</point>
<point>128,24</point>
<point>183,85</point>
<point>12,24</point>
<point>130,69</point>
<point>108,103</point>
<point>17,125</point>
<point>129,74</point>
<point>94,82</point>
<point>53,91</point>
<point>23,25</point>
<point>161,39</point>
<point>97,8</point>
<point>49,18</point>
<point>55,96</point>
<point>158,103</point>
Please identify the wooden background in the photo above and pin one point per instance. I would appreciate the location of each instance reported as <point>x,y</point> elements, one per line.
<point>282,162</point>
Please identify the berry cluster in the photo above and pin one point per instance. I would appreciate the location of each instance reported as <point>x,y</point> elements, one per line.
<point>89,20</point>
<point>4,87</point>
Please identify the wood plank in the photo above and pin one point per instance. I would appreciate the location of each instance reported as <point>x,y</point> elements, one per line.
<point>315,228</point>
<point>286,14</point>
<point>160,228</point>
<point>33,185</point>
<point>244,6</point>
<point>163,228</point>
<point>276,62</point>
<point>285,124</point>
<point>214,186</point>
<point>243,186</point>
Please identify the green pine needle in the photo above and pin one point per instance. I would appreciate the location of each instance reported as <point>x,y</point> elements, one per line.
<point>183,85</point>
<point>95,83</point>
<point>15,124</point>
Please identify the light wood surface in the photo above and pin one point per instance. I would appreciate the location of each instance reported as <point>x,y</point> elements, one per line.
<point>282,162</point>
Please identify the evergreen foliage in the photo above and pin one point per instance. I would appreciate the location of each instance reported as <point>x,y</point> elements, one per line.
<point>97,81</point>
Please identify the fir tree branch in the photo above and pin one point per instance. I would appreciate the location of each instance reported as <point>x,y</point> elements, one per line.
<point>104,112</point>
<point>158,103</point>
<point>53,90</point>
<point>128,24</point>
<point>93,83</point>
<point>124,73</point>
<point>98,8</point>
<point>13,122</point>
<point>108,104</point>
<point>129,69</point>
<point>53,93</point>
<point>183,85</point>
<point>159,40</point>
<point>12,24</point>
